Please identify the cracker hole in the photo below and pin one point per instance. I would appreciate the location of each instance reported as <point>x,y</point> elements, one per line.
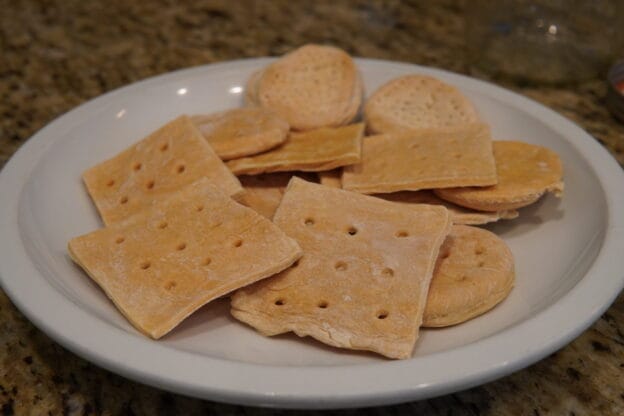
<point>146,265</point>
<point>150,185</point>
<point>481,264</point>
<point>479,251</point>
<point>340,266</point>
<point>120,240</point>
<point>387,272</point>
<point>170,285</point>
<point>206,261</point>
<point>199,208</point>
<point>382,314</point>
<point>323,304</point>
<point>401,234</point>
<point>110,183</point>
<point>414,145</point>
<point>137,166</point>
<point>309,221</point>
<point>123,200</point>
<point>445,255</point>
<point>238,243</point>
<point>181,246</point>
<point>162,225</point>
<point>180,168</point>
<point>279,302</point>
<point>458,156</point>
<point>352,231</point>
<point>164,147</point>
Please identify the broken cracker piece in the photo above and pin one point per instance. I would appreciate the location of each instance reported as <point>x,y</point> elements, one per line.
<point>169,158</point>
<point>364,276</point>
<point>423,159</point>
<point>311,151</point>
<point>164,263</point>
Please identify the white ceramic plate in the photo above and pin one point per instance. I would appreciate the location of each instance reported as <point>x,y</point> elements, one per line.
<point>568,254</point>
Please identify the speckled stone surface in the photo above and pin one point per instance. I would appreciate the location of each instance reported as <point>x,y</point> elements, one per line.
<point>56,54</point>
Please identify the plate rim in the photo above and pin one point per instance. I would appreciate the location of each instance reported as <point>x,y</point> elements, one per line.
<point>318,387</point>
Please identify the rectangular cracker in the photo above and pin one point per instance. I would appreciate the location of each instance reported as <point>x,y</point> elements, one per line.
<point>363,279</point>
<point>424,159</point>
<point>459,215</point>
<point>162,264</point>
<point>331,178</point>
<point>263,192</point>
<point>148,171</point>
<point>311,151</point>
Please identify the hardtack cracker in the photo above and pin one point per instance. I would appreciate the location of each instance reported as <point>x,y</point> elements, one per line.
<point>415,102</point>
<point>164,263</point>
<point>148,171</point>
<point>474,272</point>
<point>242,131</point>
<point>424,159</point>
<point>311,151</point>
<point>364,276</point>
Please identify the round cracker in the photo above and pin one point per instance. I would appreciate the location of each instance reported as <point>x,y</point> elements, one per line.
<point>525,172</point>
<point>417,102</point>
<point>473,273</point>
<point>242,131</point>
<point>311,87</point>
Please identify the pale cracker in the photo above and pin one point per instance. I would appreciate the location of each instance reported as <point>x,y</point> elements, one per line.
<point>474,272</point>
<point>415,102</point>
<point>263,193</point>
<point>148,171</point>
<point>242,131</point>
<point>311,87</point>
<point>525,173</point>
<point>310,151</point>
<point>459,215</point>
<point>164,263</point>
<point>423,159</point>
<point>363,279</point>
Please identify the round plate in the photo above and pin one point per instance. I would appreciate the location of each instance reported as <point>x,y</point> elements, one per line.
<point>568,255</point>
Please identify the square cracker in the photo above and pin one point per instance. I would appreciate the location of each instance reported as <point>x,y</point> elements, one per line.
<point>312,151</point>
<point>424,159</point>
<point>164,263</point>
<point>363,279</point>
<point>172,156</point>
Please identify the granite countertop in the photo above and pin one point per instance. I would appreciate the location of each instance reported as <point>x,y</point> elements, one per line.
<point>56,54</point>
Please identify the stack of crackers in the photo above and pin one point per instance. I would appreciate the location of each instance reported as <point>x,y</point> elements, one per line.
<point>230,204</point>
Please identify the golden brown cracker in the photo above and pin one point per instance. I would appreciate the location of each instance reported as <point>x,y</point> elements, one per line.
<point>311,151</point>
<point>148,171</point>
<point>415,102</point>
<point>364,276</point>
<point>311,87</point>
<point>525,172</point>
<point>423,159</point>
<point>474,272</point>
<point>162,264</point>
<point>242,131</point>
